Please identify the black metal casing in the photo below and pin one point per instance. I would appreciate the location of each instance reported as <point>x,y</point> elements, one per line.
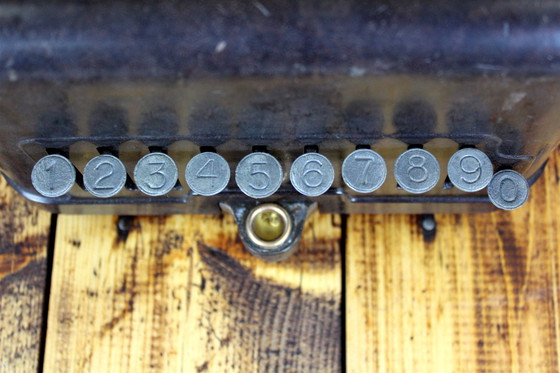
<point>127,77</point>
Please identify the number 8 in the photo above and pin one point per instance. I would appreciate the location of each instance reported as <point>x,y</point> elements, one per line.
<point>417,165</point>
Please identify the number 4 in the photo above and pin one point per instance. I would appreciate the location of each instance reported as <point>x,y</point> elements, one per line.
<point>207,170</point>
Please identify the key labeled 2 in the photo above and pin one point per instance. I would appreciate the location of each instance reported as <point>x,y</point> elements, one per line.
<point>104,176</point>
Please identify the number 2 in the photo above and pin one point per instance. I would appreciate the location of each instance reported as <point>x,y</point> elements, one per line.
<point>97,185</point>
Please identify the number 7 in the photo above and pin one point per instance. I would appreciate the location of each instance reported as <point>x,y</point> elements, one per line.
<point>369,161</point>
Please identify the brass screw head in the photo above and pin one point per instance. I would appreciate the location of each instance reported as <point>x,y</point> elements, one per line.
<point>268,225</point>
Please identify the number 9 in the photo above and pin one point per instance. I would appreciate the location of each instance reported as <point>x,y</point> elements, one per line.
<point>468,169</point>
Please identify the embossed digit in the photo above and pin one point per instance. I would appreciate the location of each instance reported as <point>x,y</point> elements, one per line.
<point>308,171</point>
<point>207,170</point>
<point>511,190</point>
<point>369,161</point>
<point>97,185</point>
<point>469,171</point>
<point>264,176</point>
<point>49,168</point>
<point>159,172</point>
<point>417,165</point>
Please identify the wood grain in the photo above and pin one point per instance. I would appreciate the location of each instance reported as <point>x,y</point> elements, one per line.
<point>180,293</point>
<point>24,234</point>
<point>480,296</point>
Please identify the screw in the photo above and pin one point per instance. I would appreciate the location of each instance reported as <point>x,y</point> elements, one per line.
<point>268,225</point>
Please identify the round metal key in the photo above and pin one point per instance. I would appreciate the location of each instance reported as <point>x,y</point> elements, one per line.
<point>53,176</point>
<point>470,170</point>
<point>155,174</point>
<point>417,171</point>
<point>104,176</point>
<point>364,171</point>
<point>259,175</point>
<point>207,174</point>
<point>312,174</point>
<point>508,190</point>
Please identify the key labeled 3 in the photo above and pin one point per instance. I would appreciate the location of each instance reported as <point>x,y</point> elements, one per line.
<point>155,174</point>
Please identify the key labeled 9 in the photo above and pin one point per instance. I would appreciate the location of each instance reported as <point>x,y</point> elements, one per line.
<point>470,170</point>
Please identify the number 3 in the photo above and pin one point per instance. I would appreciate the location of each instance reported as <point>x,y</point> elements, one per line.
<point>157,172</point>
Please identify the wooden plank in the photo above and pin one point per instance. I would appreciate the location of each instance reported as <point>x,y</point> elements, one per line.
<point>24,235</point>
<point>180,293</point>
<point>483,296</point>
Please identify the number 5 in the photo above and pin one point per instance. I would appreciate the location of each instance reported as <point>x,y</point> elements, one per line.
<point>265,176</point>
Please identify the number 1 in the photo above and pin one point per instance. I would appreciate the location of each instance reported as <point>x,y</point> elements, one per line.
<point>49,168</point>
